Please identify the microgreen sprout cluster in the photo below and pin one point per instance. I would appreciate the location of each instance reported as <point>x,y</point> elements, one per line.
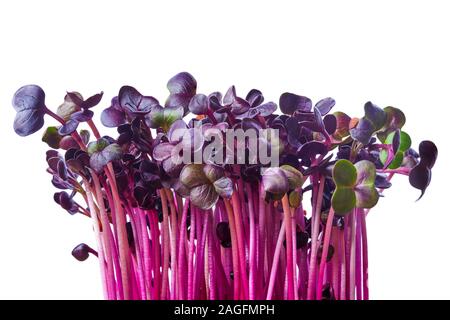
<point>224,196</point>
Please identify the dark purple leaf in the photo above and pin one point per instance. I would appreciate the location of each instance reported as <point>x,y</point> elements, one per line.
<point>69,127</point>
<point>275,181</point>
<point>428,153</point>
<point>239,106</point>
<point>101,158</point>
<point>230,96</point>
<point>92,101</point>
<point>254,98</point>
<point>82,116</point>
<point>76,98</point>
<point>67,142</point>
<point>182,88</point>
<point>373,120</point>
<point>81,252</point>
<point>113,116</point>
<point>330,123</point>
<point>289,103</point>
<point>419,178</point>
<point>310,150</point>
<point>381,182</point>
<point>199,104</point>
<point>135,103</point>
<point>62,170</point>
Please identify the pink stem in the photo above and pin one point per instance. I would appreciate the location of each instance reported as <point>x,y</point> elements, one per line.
<point>323,259</point>
<point>240,242</point>
<point>191,253</point>
<point>182,252</point>
<point>276,258</point>
<point>315,240</point>
<point>365,254</point>
<point>252,241</point>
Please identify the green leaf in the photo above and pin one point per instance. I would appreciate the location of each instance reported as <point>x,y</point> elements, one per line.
<point>193,175</point>
<point>355,186</point>
<point>365,191</point>
<point>295,177</point>
<point>342,125</point>
<point>343,200</point>
<point>160,117</point>
<point>405,144</point>
<point>97,146</point>
<point>295,199</point>
<point>344,173</point>
<point>52,137</point>
<point>395,119</point>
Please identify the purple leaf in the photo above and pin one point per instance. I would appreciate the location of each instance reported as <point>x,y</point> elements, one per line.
<point>289,103</point>
<point>325,105</point>
<point>29,103</point>
<point>199,104</point>
<point>113,116</point>
<point>69,127</point>
<point>82,116</point>
<point>182,88</point>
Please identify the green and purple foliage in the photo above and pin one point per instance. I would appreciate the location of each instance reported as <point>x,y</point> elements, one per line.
<point>172,230</point>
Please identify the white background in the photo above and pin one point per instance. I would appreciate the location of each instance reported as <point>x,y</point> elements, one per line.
<point>390,52</point>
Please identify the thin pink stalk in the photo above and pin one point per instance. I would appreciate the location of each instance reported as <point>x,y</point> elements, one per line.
<point>289,256</point>
<point>276,258</point>
<point>240,243</point>
<point>122,235</point>
<point>252,242</point>
<point>107,235</point>
<point>94,218</point>
<point>191,253</point>
<point>166,245</point>
<point>315,241</point>
<point>234,250</point>
<point>323,259</point>
<point>147,261</point>
<point>352,256</point>
<point>182,252</point>
<point>358,259</point>
<point>365,255</point>
<point>262,240</point>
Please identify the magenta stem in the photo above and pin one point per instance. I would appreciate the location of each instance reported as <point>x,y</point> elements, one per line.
<point>315,239</point>
<point>323,259</point>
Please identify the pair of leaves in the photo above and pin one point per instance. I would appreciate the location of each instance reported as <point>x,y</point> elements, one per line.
<point>76,110</point>
<point>420,175</point>
<point>102,152</point>
<point>205,184</point>
<point>129,102</point>
<point>54,140</point>
<point>399,142</point>
<point>355,186</point>
<point>395,120</point>
<point>279,180</point>
<point>373,120</point>
<point>182,88</point>
<point>66,202</point>
<point>29,103</point>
